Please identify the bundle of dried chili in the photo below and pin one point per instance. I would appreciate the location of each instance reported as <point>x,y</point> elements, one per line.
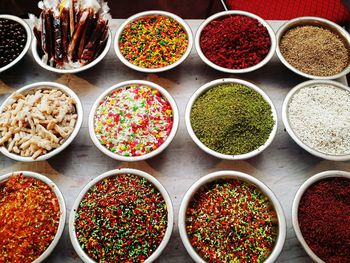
<point>324,219</point>
<point>235,42</point>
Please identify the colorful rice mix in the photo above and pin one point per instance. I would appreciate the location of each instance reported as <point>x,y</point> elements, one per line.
<point>231,221</point>
<point>133,120</point>
<point>122,218</point>
<point>30,213</point>
<point>154,41</point>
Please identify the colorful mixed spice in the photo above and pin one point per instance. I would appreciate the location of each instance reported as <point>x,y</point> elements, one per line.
<point>235,42</point>
<point>153,41</point>
<point>230,220</point>
<point>232,119</point>
<point>30,213</point>
<point>324,219</point>
<point>122,218</point>
<point>314,50</point>
<point>133,120</point>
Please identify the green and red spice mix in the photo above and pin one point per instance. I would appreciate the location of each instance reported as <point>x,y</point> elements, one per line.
<point>230,220</point>
<point>235,41</point>
<point>29,218</point>
<point>232,119</point>
<point>122,218</point>
<point>154,41</point>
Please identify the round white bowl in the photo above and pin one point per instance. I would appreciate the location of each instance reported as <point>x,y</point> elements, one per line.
<point>201,145</point>
<point>145,14</point>
<point>312,21</point>
<point>231,175</point>
<point>72,70</point>
<point>26,47</point>
<point>148,177</point>
<point>242,13</point>
<point>295,208</point>
<point>71,137</point>
<point>61,202</point>
<point>141,157</point>
<point>289,129</point>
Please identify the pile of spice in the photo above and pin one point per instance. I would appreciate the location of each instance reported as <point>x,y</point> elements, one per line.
<point>231,221</point>
<point>232,119</point>
<point>133,120</point>
<point>122,218</point>
<point>29,212</point>
<point>13,38</point>
<point>324,219</point>
<point>314,50</point>
<point>235,42</point>
<point>153,41</point>
<point>319,116</point>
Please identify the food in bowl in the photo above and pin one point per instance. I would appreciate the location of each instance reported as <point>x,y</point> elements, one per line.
<point>121,218</point>
<point>323,218</point>
<point>71,34</point>
<point>314,50</point>
<point>231,220</point>
<point>133,120</point>
<point>235,41</point>
<point>153,41</point>
<point>13,38</point>
<point>38,121</point>
<point>232,119</point>
<point>30,217</point>
<point>318,114</point>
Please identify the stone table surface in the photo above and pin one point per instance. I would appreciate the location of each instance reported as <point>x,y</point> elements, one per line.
<point>283,167</point>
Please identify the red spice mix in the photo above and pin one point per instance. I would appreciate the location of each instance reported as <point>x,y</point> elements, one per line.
<point>235,42</point>
<point>324,219</point>
<point>29,213</point>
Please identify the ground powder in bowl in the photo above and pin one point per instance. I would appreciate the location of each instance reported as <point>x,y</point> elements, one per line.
<point>319,115</point>
<point>314,50</point>
<point>232,119</point>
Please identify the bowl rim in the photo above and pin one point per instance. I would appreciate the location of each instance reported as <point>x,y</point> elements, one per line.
<point>61,202</point>
<point>285,119</point>
<point>213,84</point>
<point>26,47</point>
<point>230,174</point>
<point>112,173</point>
<point>312,180</point>
<point>151,154</point>
<point>73,70</point>
<point>145,14</point>
<point>242,13</point>
<point>79,109</point>
<point>289,24</point>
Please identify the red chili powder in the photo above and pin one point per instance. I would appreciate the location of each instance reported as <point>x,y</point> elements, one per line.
<point>29,218</point>
<point>324,219</point>
<point>235,42</point>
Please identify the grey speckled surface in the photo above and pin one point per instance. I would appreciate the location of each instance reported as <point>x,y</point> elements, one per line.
<point>283,166</point>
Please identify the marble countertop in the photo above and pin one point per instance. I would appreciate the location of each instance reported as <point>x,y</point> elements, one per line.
<point>283,167</point>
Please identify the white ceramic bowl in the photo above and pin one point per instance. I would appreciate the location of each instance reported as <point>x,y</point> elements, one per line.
<point>141,157</point>
<point>26,46</point>
<point>231,175</point>
<point>79,109</point>
<point>242,13</point>
<point>139,173</point>
<point>289,129</point>
<point>73,70</point>
<point>61,202</point>
<point>313,21</point>
<point>145,14</point>
<point>213,84</point>
<point>295,208</point>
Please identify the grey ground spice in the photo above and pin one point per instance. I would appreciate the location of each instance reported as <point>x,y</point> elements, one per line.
<point>232,119</point>
<point>314,50</point>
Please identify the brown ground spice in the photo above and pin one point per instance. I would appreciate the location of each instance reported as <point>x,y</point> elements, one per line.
<point>314,50</point>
